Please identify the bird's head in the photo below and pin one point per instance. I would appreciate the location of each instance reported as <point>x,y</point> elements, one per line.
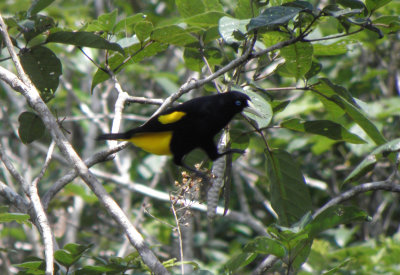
<point>242,102</point>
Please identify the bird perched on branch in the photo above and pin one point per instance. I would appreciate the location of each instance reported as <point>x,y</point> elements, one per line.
<point>190,125</point>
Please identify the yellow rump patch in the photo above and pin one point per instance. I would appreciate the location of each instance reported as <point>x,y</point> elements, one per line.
<point>156,143</point>
<point>171,117</point>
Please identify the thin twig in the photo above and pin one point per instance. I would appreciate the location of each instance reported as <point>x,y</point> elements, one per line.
<point>178,228</point>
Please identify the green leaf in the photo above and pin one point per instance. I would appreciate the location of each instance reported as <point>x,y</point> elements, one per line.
<point>239,261</point>
<point>335,11</point>
<point>262,106</point>
<point>37,6</point>
<point>339,96</point>
<point>129,21</point>
<point>105,269</point>
<point>205,20</point>
<point>279,105</point>
<point>273,37</point>
<point>44,69</point>
<point>173,35</point>
<point>229,26</point>
<point>32,266</point>
<point>361,119</point>
<point>289,193</point>
<point>369,162</point>
<point>325,128</point>
<point>188,8</point>
<point>244,9</point>
<point>143,30</point>
<point>17,217</point>
<point>273,17</point>
<point>35,25</point>
<point>353,4</point>
<point>314,70</point>
<point>213,5</point>
<point>373,5</point>
<point>80,191</point>
<point>83,39</point>
<point>298,58</point>
<point>336,48</point>
<point>31,127</point>
<point>104,23</point>
<point>137,53</point>
<point>265,245</point>
<point>337,268</point>
<point>388,23</point>
<point>334,216</point>
<point>70,254</point>
<point>194,60</point>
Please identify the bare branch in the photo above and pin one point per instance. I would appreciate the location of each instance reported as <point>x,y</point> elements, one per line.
<point>356,190</point>
<point>13,54</point>
<point>39,214</point>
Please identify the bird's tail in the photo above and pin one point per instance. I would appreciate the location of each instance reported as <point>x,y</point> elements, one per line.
<point>118,136</point>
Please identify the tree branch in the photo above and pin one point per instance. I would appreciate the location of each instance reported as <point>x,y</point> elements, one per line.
<point>39,215</point>
<point>386,185</point>
<point>33,98</point>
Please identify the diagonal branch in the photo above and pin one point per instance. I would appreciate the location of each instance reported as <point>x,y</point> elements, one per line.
<point>386,185</point>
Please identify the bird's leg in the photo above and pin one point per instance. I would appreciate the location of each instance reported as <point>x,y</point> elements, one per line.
<point>197,173</point>
<point>232,151</point>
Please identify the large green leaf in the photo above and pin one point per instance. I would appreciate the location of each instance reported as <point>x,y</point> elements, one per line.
<point>205,20</point>
<point>263,107</point>
<point>388,23</point>
<point>83,39</point>
<point>37,6</point>
<point>173,35</point>
<point>373,5</point>
<point>143,30</point>
<point>123,24</point>
<point>232,30</point>
<point>44,69</point>
<point>340,97</point>
<point>336,48</point>
<point>298,59</point>
<point>325,128</point>
<point>14,217</point>
<point>334,216</point>
<point>246,9</point>
<point>189,8</point>
<point>289,193</point>
<point>265,245</point>
<point>70,254</point>
<point>369,162</point>
<point>105,22</point>
<point>273,17</point>
<point>31,127</point>
<point>239,261</point>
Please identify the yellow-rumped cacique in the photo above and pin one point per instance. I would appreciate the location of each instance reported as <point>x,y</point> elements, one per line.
<point>190,125</point>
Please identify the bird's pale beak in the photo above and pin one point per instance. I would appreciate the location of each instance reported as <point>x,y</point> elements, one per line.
<point>251,108</point>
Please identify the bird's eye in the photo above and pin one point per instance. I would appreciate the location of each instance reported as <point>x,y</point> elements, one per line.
<point>238,103</point>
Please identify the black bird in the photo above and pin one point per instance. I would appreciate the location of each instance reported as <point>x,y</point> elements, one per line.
<point>192,124</point>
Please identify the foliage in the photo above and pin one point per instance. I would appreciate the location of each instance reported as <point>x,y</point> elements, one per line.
<point>323,76</point>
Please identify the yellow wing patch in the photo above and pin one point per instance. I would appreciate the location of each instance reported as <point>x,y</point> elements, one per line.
<point>156,143</point>
<point>171,117</point>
